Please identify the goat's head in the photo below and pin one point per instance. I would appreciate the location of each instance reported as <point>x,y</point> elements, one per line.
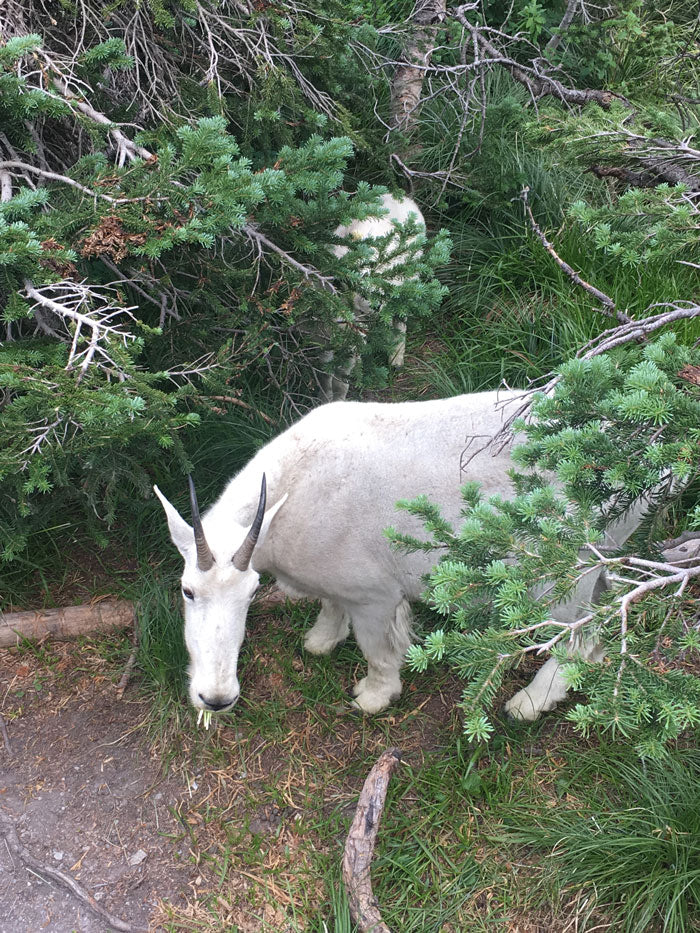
<point>218,584</point>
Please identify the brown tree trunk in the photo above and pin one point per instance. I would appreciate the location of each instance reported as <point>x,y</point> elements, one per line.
<point>407,84</point>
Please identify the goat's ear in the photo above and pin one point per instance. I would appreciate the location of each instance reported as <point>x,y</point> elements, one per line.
<point>269,515</point>
<point>181,533</point>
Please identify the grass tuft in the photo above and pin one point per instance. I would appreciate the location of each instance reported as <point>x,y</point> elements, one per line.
<point>625,833</point>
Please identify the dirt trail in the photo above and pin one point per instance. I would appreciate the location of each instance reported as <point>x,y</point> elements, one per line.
<point>87,798</point>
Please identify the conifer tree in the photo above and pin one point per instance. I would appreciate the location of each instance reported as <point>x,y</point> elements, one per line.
<point>142,272</point>
<point>614,430</point>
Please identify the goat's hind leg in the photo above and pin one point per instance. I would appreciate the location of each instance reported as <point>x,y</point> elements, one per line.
<point>331,627</point>
<point>545,690</point>
<point>384,638</point>
<point>398,352</point>
<point>548,686</point>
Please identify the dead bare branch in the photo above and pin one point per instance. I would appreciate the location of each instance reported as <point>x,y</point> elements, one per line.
<point>360,843</point>
<point>539,83</point>
<point>231,400</point>
<point>6,170</point>
<point>608,309</point>
<point>566,20</point>
<point>258,237</point>
<point>8,831</point>
<point>82,307</point>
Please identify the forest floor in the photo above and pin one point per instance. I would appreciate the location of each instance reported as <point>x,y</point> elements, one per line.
<point>240,828</point>
<point>86,795</point>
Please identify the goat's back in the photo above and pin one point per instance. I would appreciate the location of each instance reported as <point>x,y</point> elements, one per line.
<point>346,464</point>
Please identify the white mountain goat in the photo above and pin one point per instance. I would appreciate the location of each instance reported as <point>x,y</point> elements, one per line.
<point>333,381</point>
<point>334,478</point>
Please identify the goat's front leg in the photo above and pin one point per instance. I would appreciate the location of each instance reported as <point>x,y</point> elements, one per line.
<point>331,627</point>
<point>548,686</point>
<point>545,690</point>
<point>384,637</point>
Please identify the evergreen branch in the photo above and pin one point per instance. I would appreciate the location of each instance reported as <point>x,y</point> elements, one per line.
<point>128,149</point>
<point>22,167</point>
<point>632,330</point>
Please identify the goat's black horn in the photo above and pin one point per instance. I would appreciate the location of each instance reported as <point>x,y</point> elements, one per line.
<point>242,557</point>
<point>205,558</point>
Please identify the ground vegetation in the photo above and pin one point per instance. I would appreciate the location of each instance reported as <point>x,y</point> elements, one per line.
<point>171,172</point>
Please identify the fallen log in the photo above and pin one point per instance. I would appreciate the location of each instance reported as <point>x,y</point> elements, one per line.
<point>359,846</point>
<point>62,624</point>
<point>103,615</point>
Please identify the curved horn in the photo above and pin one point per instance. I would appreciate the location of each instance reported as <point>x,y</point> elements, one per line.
<point>205,558</point>
<point>241,559</point>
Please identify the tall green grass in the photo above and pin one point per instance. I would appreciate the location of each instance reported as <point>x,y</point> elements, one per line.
<point>625,832</point>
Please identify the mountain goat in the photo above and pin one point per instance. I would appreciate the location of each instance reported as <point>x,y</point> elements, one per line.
<point>334,478</point>
<point>333,381</point>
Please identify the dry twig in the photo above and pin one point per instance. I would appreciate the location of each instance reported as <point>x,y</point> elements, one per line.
<point>7,830</point>
<point>231,400</point>
<point>608,309</point>
<point>126,676</point>
<point>5,736</point>
<point>359,846</point>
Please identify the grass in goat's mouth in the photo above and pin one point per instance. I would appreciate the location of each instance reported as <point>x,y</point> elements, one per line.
<point>205,717</point>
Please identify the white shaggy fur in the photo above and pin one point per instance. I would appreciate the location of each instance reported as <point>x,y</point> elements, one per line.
<point>333,479</point>
<point>333,383</point>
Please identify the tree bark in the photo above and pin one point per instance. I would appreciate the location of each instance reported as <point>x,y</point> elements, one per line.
<point>359,846</point>
<point>407,84</point>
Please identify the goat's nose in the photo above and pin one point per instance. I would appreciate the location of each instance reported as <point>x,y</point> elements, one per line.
<point>217,704</point>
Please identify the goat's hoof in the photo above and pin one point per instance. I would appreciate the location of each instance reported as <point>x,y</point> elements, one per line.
<point>319,646</point>
<point>373,701</point>
<point>520,708</point>
<point>359,687</point>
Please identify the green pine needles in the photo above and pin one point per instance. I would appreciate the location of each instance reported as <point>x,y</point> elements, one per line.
<point>145,277</point>
<point>615,429</point>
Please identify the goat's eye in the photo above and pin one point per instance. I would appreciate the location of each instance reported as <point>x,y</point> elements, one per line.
<point>188,594</point>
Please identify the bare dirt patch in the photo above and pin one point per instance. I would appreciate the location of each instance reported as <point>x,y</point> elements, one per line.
<point>173,827</point>
<point>87,797</point>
